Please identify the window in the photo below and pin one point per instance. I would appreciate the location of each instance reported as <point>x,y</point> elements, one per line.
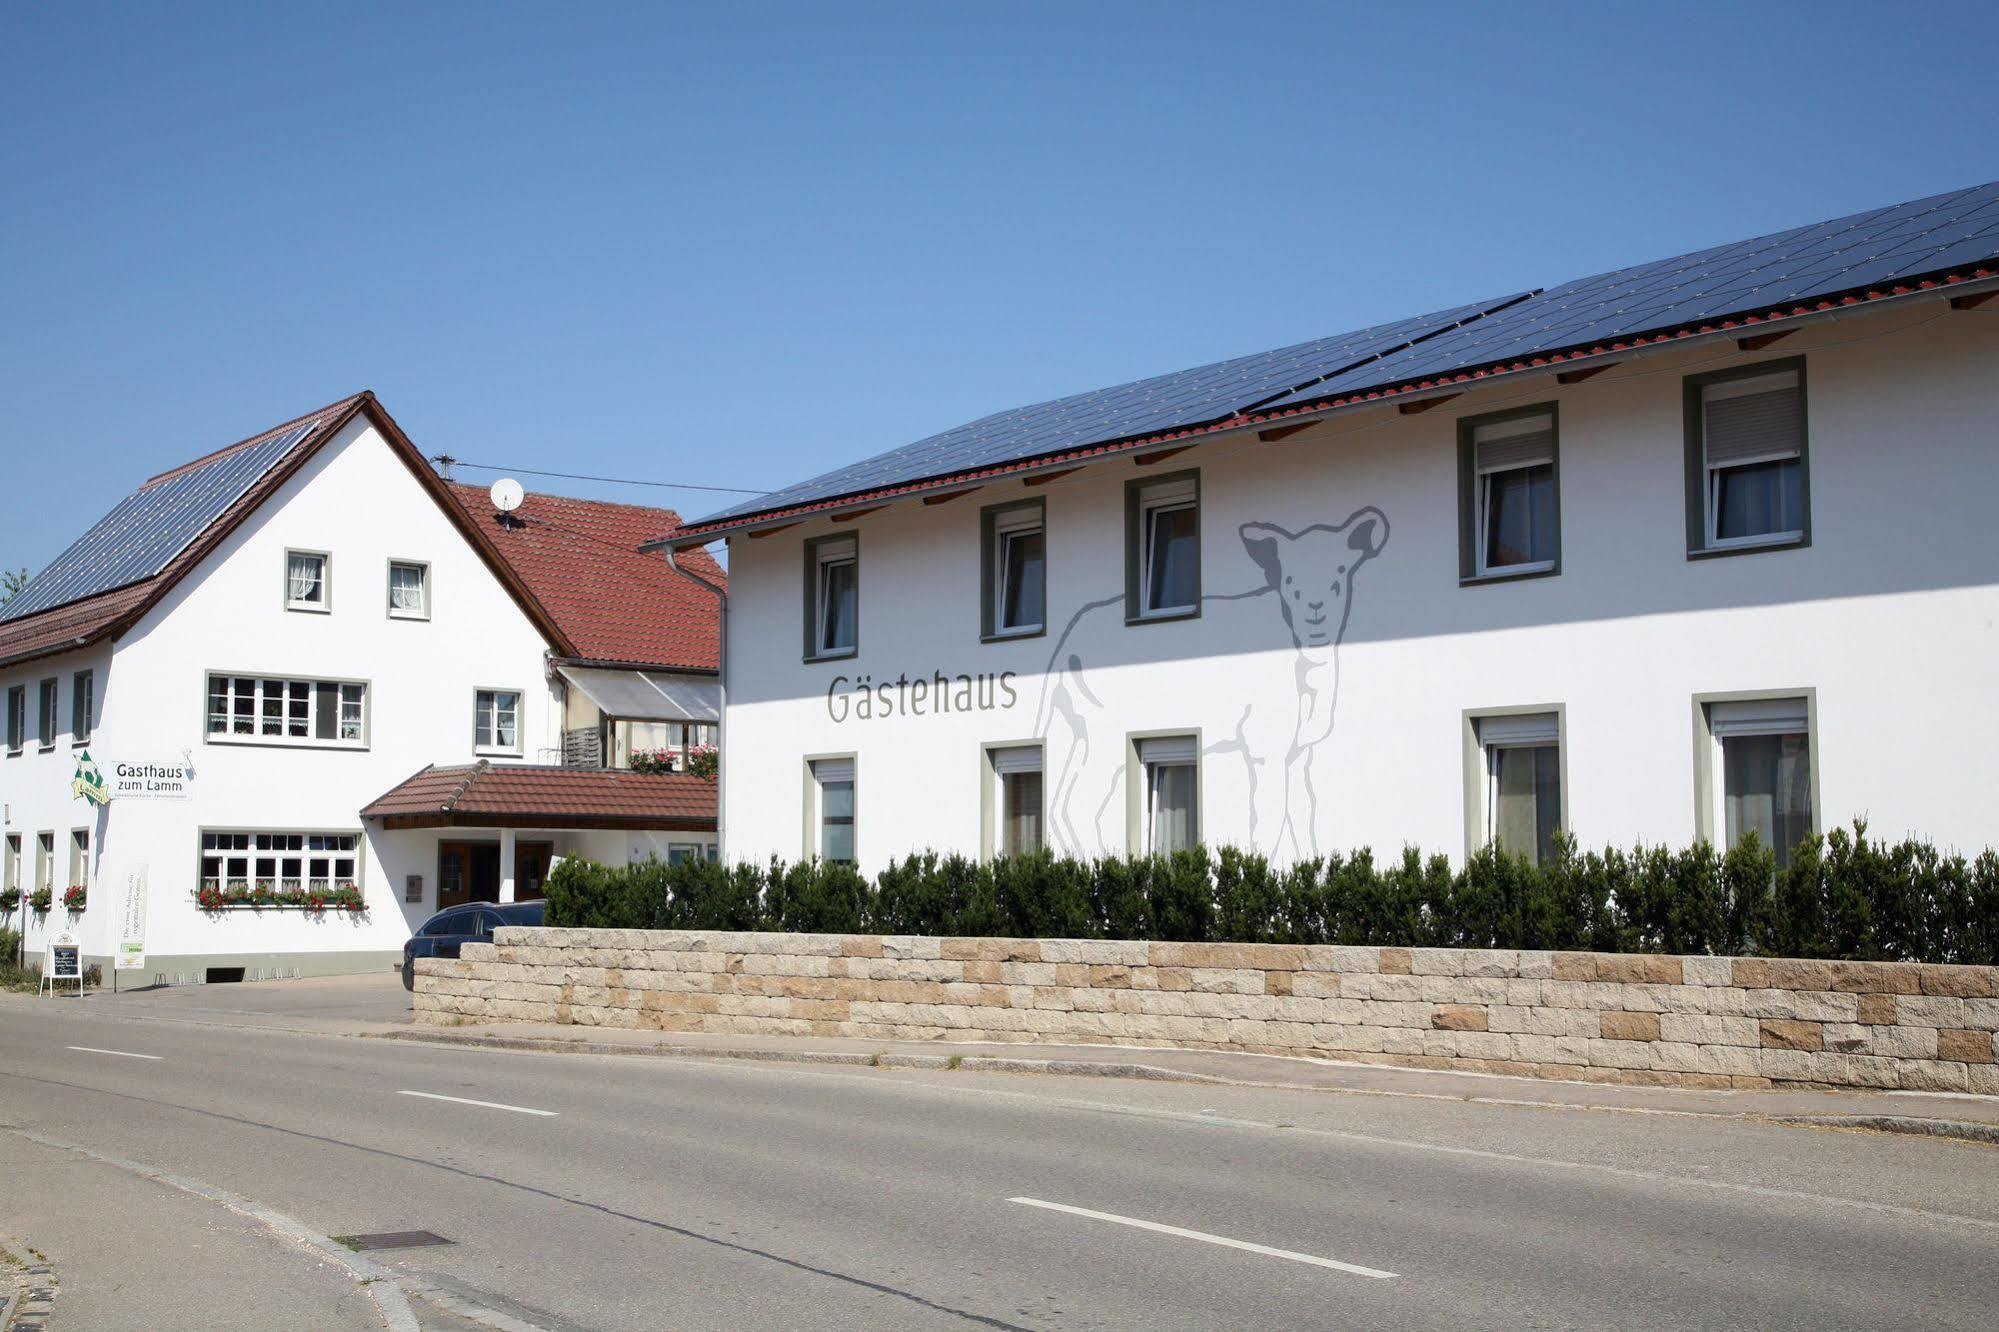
<point>307,585</point>
<point>82,706</point>
<point>1759,772</point>
<point>1747,483</point>
<point>1520,776</point>
<point>832,798</point>
<point>1016,817</point>
<point>10,864</point>
<point>678,740</point>
<point>17,718</point>
<point>51,689</point>
<point>1509,513</point>
<point>45,861</point>
<point>832,597</point>
<point>496,722</point>
<point>679,852</point>
<point>1015,570</point>
<point>1171,769</point>
<point>247,709</point>
<point>79,858</point>
<point>279,861</point>
<point>1163,548</point>
<point>409,590</point>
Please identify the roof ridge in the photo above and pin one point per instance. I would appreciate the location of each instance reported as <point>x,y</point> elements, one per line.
<point>467,487</point>
<point>338,404</point>
<point>472,774</point>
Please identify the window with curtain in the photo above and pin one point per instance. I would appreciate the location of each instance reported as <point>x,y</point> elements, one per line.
<point>1171,767</point>
<point>496,725</point>
<point>836,592</point>
<point>834,782</point>
<point>1523,783</point>
<point>1766,771</point>
<point>1017,774</point>
<point>280,861</point>
<point>1169,547</point>
<point>305,580</point>
<point>253,709</point>
<point>1753,459</point>
<point>409,590</point>
<point>1514,466</point>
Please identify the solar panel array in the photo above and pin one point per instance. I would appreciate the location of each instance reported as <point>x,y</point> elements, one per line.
<point>1163,402</point>
<point>149,527</point>
<point>1881,246</point>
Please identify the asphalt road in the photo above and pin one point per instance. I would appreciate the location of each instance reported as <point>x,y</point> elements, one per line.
<point>682,1193</point>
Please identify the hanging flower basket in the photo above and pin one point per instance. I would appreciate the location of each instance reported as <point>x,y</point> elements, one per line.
<point>74,896</point>
<point>654,760</point>
<point>704,761</point>
<point>9,900</point>
<point>40,900</point>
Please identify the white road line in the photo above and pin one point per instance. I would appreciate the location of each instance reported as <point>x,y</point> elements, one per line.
<point>123,1054</point>
<point>1206,1238</point>
<point>489,1105</point>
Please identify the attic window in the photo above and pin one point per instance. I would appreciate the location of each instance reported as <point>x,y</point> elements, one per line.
<point>306,586</point>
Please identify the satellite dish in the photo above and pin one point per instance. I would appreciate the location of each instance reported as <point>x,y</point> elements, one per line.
<point>507,494</point>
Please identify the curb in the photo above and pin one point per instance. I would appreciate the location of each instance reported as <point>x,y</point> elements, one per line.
<point>1962,1130</point>
<point>31,1289</point>
<point>975,1063</point>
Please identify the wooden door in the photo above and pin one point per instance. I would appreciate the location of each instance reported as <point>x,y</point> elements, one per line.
<point>454,874</point>
<point>531,869</point>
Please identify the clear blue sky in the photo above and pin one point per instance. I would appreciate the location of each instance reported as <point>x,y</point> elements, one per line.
<point>738,244</point>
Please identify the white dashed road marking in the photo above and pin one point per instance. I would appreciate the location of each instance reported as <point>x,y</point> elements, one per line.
<point>1205,1238</point>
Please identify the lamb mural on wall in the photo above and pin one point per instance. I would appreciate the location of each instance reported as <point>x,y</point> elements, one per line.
<point>1280,728</point>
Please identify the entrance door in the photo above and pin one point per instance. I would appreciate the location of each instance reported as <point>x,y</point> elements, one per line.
<point>531,869</point>
<point>467,872</point>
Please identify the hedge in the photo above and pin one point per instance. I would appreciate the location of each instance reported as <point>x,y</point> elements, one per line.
<point>1843,896</point>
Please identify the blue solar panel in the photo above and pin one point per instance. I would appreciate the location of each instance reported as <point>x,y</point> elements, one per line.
<point>1878,247</point>
<point>1164,402</point>
<point>1773,272</point>
<point>152,525</point>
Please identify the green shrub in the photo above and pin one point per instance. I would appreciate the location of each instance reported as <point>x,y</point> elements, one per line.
<point>1843,896</point>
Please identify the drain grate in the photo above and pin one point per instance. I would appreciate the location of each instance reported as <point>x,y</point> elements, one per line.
<point>392,1239</point>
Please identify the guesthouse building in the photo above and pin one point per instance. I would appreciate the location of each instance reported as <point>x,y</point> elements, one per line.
<point>1683,551</point>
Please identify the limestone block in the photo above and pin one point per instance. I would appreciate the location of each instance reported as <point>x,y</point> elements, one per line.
<point>1385,987</point>
<point>1967,1047</point>
<point>1784,1034</point>
<point>1402,1040</point>
<point>1961,982</point>
<point>1734,1060</point>
<point>1387,1013</point>
<point>1626,968</point>
<point>1706,971</point>
<point>1054,999</point>
<point>1028,973</point>
<point>1933,1075</point>
<point>1620,1054</point>
<point>1279,982</point>
<point>1458,1017</point>
<point>1788,1005</point>
<point>1229,980</point>
<point>1441,1044</point>
<point>1484,1045</point>
<point>1393,961</point>
<point>1676,1056</point>
<point>1342,958</point>
<point>1981,1014</point>
<point>1097,952</point>
<point>1626,1026</point>
<point>990,950</point>
<point>1543,1049</point>
<point>1982,1079</point>
<point>1437,962</point>
<point>1922,1010</point>
<point>911,946</point>
<point>1536,965</point>
<point>1863,1070</point>
<point>1707,1029</point>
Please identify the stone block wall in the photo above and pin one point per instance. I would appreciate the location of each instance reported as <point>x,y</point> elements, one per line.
<point>1599,1017</point>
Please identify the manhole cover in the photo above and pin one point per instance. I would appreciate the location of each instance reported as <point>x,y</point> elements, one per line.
<point>393,1239</point>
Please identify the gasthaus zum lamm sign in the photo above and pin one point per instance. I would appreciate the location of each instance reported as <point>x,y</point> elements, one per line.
<point>146,780</point>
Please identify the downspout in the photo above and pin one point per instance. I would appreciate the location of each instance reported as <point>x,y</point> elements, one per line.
<point>721,595</point>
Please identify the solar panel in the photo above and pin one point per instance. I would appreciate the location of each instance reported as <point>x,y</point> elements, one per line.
<point>1146,406</point>
<point>149,527</point>
<point>1880,246</point>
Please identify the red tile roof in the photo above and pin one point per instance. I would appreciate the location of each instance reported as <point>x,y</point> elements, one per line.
<point>485,794</point>
<point>579,559</point>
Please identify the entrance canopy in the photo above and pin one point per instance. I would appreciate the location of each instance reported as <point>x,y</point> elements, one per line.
<point>644,696</point>
<point>520,795</point>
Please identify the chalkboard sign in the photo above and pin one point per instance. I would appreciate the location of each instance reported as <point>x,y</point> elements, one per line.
<point>63,962</point>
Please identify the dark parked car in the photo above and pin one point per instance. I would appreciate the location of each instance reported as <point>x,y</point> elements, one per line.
<point>454,927</point>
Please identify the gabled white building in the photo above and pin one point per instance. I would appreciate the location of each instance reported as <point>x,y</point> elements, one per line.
<point>255,648</point>
<point>1679,552</point>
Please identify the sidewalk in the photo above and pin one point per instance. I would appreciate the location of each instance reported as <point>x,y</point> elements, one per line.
<point>1945,1114</point>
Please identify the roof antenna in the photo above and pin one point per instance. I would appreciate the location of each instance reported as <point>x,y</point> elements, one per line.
<point>443,462</point>
<point>507,495</point>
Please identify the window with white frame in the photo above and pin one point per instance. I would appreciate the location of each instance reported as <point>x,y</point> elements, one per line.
<point>680,852</point>
<point>1017,806</point>
<point>307,580</point>
<point>255,709</point>
<point>1514,522</point>
<point>51,697</point>
<point>675,741</point>
<point>1016,570</point>
<point>45,861</point>
<point>496,723</point>
<point>1164,547</point>
<point>17,718</point>
<point>79,858</point>
<point>409,590</point>
<point>833,596</point>
<point>82,706</point>
<point>10,864</point>
<point>833,812</point>
<point>1749,473</point>
<point>280,861</point>
<point>1762,755</point>
<point>1171,766</point>
<point>1522,756</point>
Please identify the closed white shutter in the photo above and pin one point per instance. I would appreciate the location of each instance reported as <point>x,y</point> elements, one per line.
<point>1754,420</point>
<point>1168,749</point>
<point>1020,758</point>
<point>1531,728</point>
<point>1506,445</point>
<point>1757,716</point>
<point>833,770</point>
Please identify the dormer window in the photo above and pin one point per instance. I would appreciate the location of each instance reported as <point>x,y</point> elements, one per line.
<point>306,581</point>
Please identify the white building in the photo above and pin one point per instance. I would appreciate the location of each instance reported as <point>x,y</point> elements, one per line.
<point>1662,555</point>
<point>254,647</point>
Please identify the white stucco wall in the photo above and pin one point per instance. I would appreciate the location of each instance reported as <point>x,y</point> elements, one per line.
<point>357,500</point>
<point>1891,615</point>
